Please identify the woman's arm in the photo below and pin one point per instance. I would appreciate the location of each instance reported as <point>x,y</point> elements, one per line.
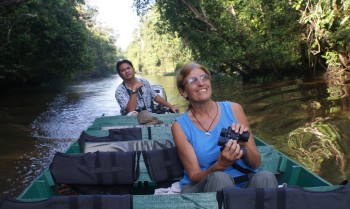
<point>189,159</point>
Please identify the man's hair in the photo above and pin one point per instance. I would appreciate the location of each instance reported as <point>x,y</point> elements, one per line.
<point>122,62</point>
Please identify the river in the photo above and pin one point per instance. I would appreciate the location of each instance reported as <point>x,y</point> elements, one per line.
<point>308,121</point>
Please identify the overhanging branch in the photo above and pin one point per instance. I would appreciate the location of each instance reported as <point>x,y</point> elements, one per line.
<point>199,16</point>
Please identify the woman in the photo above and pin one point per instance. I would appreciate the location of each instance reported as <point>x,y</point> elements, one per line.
<point>136,94</point>
<point>196,133</point>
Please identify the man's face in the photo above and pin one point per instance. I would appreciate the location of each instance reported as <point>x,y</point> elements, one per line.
<point>126,71</point>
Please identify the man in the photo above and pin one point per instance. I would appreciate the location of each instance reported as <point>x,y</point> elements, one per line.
<point>136,94</point>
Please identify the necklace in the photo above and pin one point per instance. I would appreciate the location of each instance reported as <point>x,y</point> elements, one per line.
<point>207,130</point>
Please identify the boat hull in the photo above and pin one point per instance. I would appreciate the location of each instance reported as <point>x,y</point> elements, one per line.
<point>287,170</point>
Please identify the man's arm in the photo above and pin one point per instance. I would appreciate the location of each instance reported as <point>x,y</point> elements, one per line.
<point>163,102</point>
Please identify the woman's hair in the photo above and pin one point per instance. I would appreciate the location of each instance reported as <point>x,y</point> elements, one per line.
<point>122,62</point>
<point>186,70</point>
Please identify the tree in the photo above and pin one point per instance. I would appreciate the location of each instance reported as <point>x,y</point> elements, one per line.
<point>327,33</point>
<point>154,52</point>
<point>252,38</point>
<point>45,40</point>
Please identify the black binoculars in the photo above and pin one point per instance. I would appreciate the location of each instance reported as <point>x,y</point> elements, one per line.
<point>227,133</point>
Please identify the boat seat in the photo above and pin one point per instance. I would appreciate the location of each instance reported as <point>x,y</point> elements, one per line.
<point>96,173</point>
<point>163,165</point>
<point>159,161</point>
<point>271,160</point>
<point>124,134</point>
<point>118,146</point>
<point>282,198</point>
<point>149,132</point>
<point>150,170</point>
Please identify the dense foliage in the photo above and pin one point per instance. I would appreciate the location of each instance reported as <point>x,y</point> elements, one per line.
<point>156,53</point>
<point>46,40</point>
<point>327,34</point>
<point>327,29</point>
<point>272,38</point>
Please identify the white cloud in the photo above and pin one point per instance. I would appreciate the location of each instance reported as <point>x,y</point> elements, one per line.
<point>120,15</point>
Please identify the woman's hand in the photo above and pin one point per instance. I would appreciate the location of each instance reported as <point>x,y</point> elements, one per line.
<point>239,128</point>
<point>231,152</point>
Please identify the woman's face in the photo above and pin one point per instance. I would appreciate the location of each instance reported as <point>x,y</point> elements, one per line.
<point>126,72</point>
<point>197,86</point>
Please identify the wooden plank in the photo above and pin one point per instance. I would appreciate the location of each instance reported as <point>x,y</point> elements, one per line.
<point>294,176</point>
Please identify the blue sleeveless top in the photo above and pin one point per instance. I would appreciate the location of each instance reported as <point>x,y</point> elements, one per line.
<point>205,146</point>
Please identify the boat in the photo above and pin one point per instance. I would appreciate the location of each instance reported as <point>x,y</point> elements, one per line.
<point>158,137</point>
<point>288,172</point>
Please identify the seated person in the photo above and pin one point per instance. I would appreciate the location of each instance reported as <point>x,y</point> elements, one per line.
<point>196,134</point>
<point>136,94</point>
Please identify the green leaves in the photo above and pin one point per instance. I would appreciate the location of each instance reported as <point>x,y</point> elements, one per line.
<point>156,50</point>
<point>50,40</point>
<point>253,38</point>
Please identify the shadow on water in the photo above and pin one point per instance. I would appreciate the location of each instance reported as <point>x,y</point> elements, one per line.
<point>300,119</point>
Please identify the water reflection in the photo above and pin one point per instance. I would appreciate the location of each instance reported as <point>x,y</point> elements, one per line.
<point>301,121</point>
<point>296,117</point>
<point>337,80</point>
<point>317,142</point>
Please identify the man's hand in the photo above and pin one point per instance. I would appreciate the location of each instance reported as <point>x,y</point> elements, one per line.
<point>137,86</point>
<point>174,109</point>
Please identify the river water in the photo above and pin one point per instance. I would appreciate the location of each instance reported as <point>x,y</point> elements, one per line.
<point>308,121</point>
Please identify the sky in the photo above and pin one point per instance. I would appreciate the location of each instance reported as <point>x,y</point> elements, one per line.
<point>120,15</point>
